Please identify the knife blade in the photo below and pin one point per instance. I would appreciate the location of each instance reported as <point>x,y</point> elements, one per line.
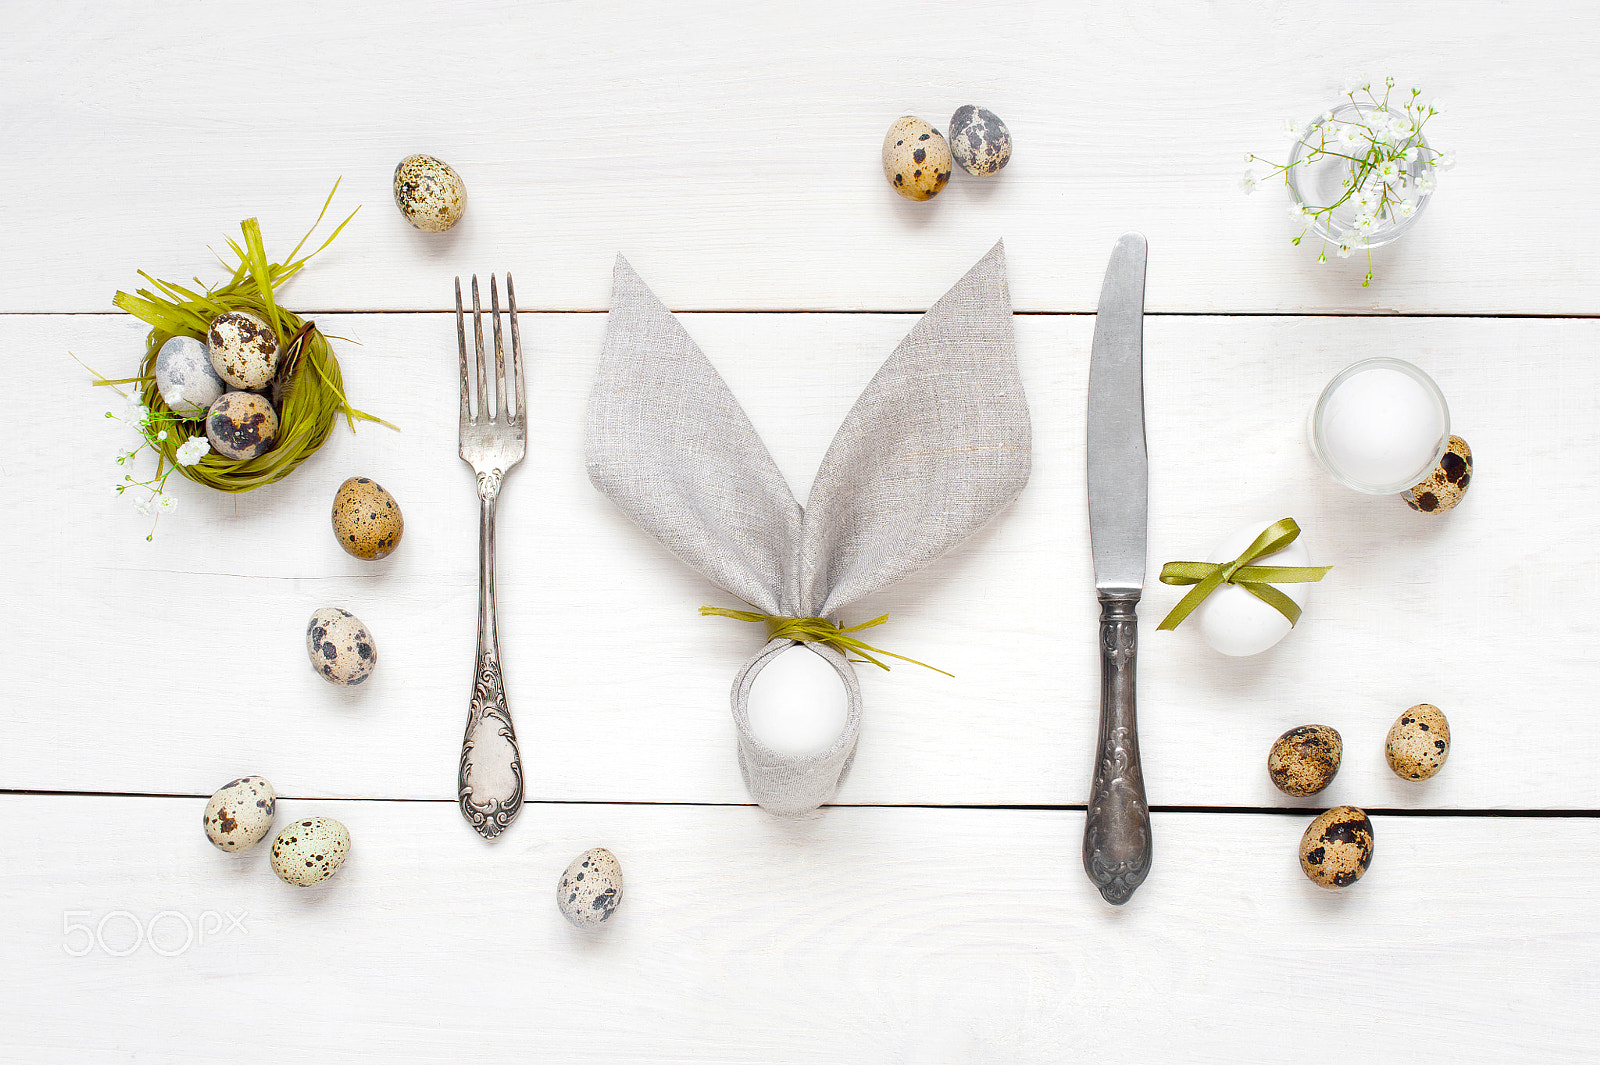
<point>1116,835</point>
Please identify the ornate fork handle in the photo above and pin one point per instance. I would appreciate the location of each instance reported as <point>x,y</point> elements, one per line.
<point>489,782</point>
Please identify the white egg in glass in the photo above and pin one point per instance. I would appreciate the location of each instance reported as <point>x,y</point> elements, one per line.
<point>1380,426</point>
<point>1234,622</point>
<point>798,705</point>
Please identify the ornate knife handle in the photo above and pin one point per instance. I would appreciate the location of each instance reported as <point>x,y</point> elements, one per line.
<point>489,783</point>
<point>1116,833</point>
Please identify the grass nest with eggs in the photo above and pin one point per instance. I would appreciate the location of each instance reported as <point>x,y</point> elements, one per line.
<point>308,391</point>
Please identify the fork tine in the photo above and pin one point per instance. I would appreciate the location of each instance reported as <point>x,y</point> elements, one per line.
<point>477,329</point>
<point>461,343</point>
<point>516,352</point>
<point>499,354</point>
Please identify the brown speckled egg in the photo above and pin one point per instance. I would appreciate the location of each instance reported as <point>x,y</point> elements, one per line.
<point>243,349</point>
<point>1419,742</point>
<point>1337,847</point>
<point>429,193</point>
<point>1304,760</point>
<point>916,159</point>
<point>590,891</point>
<point>342,651</point>
<point>1448,482</point>
<point>240,813</point>
<point>980,142</point>
<point>366,519</point>
<point>242,425</point>
<point>309,851</point>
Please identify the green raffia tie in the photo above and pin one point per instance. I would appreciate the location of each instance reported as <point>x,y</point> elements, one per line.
<point>1207,577</point>
<point>819,630</point>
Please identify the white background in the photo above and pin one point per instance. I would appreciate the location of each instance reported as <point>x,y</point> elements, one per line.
<point>938,912</point>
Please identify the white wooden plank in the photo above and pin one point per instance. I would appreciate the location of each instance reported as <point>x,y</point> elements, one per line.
<point>735,155</point>
<point>170,667</point>
<point>854,936</point>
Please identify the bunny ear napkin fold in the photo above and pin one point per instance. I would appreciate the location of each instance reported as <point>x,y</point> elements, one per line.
<point>937,444</point>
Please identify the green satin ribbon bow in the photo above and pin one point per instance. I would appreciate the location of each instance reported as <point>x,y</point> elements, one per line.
<point>819,630</point>
<point>1207,577</point>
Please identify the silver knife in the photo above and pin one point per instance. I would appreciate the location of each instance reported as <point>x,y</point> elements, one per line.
<point>1116,832</point>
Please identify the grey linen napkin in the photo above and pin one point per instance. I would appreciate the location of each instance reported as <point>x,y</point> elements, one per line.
<point>937,444</point>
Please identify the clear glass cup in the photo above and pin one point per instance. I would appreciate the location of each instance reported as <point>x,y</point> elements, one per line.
<point>1380,408</point>
<point>1318,182</point>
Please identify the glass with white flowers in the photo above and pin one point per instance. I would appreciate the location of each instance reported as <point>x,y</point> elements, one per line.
<point>1360,173</point>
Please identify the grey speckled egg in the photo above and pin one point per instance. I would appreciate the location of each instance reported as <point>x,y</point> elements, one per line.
<point>1419,742</point>
<point>240,813</point>
<point>341,649</point>
<point>591,889</point>
<point>185,377</point>
<point>1444,487</point>
<point>244,350</point>
<point>1304,760</point>
<point>979,141</point>
<point>366,519</point>
<point>310,850</point>
<point>916,159</point>
<point>1337,847</point>
<point>242,425</point>
<point>429,193</point>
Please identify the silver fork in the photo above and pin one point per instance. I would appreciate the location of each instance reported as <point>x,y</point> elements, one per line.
<point>493,440</point>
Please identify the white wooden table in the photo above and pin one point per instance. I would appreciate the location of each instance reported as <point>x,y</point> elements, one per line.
<point>937,912</point>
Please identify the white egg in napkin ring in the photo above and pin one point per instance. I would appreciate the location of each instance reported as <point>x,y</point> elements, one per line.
<point>936,445</point>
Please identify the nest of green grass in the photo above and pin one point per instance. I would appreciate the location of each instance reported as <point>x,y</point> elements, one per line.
<point>308,392</point>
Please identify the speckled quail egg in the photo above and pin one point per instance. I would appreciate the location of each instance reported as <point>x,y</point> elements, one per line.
<point>1337,847</point>
<point>242,425</point>
<point>341,649</point>
<point>1304,760</point>
<point>979,141</point>
<point>591,889</point>
<point>1444,487</point>
<point>366,519</point>
<point>916,159</point>
<point>187,381</point>
<point>1419,742</point>
<point>244,350</point>
<point>240,813</point>
<point>429,193</point>
<point>310,850</point>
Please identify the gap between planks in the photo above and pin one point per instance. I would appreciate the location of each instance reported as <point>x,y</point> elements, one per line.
<point>1041,807</point>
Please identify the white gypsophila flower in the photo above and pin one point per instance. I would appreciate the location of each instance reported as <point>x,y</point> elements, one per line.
<point>1445,160</point>
<point>1405,209</point>
<point>1293,129</point>
<point>1349,135</point>
<point>1389,172</point>
<point>1365,199</point>
<point>162,435</point>
<point>145,504</point>
<point>1410,154</point>
<point>1402,127</point>
<point>192,451</point>
<point>1425,183</point>
<point>133,411</point>
<point>1327,116</point>
<point>1297,211</point>
<point>166,503</point>
<point>1248,182</point>
<point>1350,90</point>
<point>1364,223</point>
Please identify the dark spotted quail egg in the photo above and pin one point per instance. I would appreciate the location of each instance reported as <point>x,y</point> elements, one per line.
<point>240,813</point>
<point>591,889</point>
<point>242,425</point>
<point>916,159</point>
<point>980,142</point>
<point>185,377</point>
<point>1419,742</point>
<point>340,647</point>
<point>1304,760</point>
<point>429,193</point>
<point>1448,482</point>
<point>1337,847</point>
<point>310,850</point>
<point>243,349</point>
<point>366,519</point>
